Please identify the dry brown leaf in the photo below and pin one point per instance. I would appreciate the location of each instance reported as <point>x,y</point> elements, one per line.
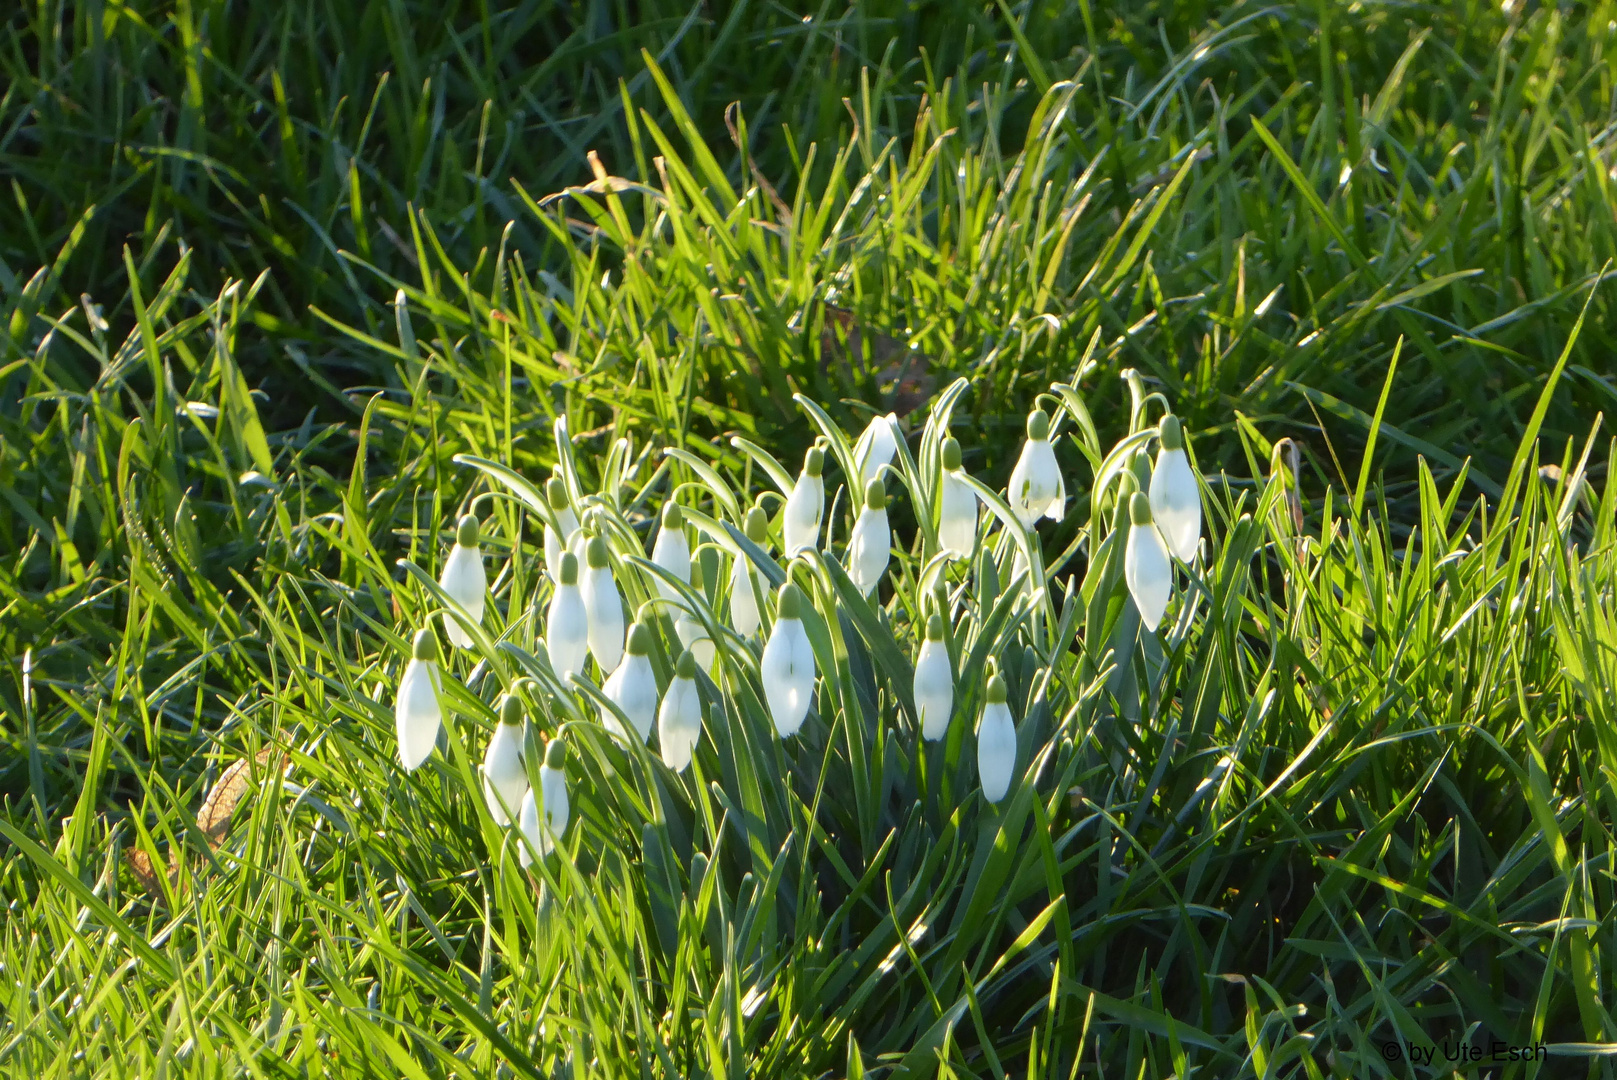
<point>140,864</point>
<point>220,803</point>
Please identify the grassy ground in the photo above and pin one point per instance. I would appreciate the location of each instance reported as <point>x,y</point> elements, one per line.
<point>273,266</point>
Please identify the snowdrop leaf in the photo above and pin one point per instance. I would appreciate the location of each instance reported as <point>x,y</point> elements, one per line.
<point>833,434</point>
<point>716,483</point>
<point>766,461</point>
<point>512,481</point>
<point>760,558</point>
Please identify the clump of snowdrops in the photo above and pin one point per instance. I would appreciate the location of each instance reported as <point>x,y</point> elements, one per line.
<point>630,643</point>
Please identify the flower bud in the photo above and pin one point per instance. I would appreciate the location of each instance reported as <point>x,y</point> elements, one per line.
<point>996,743</point>
<point>1145,563</point>
<point>787,664</point>
<point>679,718</point>
<point>603,607</point>
<point>505,778</point>
<point>464,580</point>
<point>1176,504</point>
<point>633,687</point>
<point>870,546</point>
<point>417,715</point>
<point>1037,488</point>
<point>557,542</point>
<point>934,682</point>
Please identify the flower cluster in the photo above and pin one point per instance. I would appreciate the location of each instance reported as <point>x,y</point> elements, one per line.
<point>601,656</point>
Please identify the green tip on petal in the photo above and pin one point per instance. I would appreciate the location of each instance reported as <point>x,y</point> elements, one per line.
<point>814,461</point>
<point>940,596</point>
<point>1171,433</point>
<point>1038,425</point>
<point>555,753</point>
<point>639,639</point>
<point>757,525</point>
<point>934,628</point>
<point>996,691</point>
<point>510,709</point>
<point>686,668</point>
<point>698,579</point>
<point>425,646</point>
<point>466,532</point>
<point>595,554</point>
<point>876,495</point>
<point>791,602</point>
<point>1140,508</point>
<point>556,493</point>
<point>672,518</point>
<point>951,453</point>
<point>569,568</point>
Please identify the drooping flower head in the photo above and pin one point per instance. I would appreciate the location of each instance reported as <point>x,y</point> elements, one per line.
<point>870,546</point>
<point>417,714</point>
<point>1037,489</point>
<point>603,607</point>
<point>672,551</point>
<point>505,777</point>
<point>1176,504</point>
<point>934,681</point>
<point>805,507</point>
<point>957,505</point>
<point>679,718</point>
<point>633,687</point>
<point>555,543</point>
<point>996,742</point>
<point>745,588</point>
<point>876,447</point>
<point>464,580</point>
<point>543,834</point>
<point>787,665</point>
<point>566,625</point>
<point>1145,563</point>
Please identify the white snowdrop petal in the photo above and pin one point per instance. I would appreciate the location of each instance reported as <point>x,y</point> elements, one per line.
<point>693,635</point>
<point>957,517</point>
<point>553,790</point>
<point>787,668</point>
<point>996,751</point>
<point>875,448</point>
<point>632,688</point>
<point>464,580</point>
<point>603,611</point>
<point>934,689</point>
<point>869,549</point>
<point>416,714</point>
<point>679,722</point>
<point>504,778</point>
<point>743,597</point>
<point>1176,504</point>
<point>536,840</point>
<point>554,544</point>
<point>804,510</point>
<point>567,632</point>
<point>672,552</point>
<point>1148,573</point>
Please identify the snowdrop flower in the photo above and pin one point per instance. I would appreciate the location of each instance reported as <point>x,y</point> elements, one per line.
<point>679,719</point>
<point>1037,489</point>
<point>745,588</point>
<point>556,496</point>
<point>463,579</point>
<point>996,743</point>
<point>566,625</point>
<point>1145,563</point>
<point>417,714</point>
<point>692,632</point>
<point>505,777</point>
<point>934,682</point>
<point>633,688</point>
<point>787,666</point>
<point>672,551</point>
<point>957,505</point>
<point>876,447</point>
<point>541,836</point>
<point>603,609</point>
<point>871,543</point>
<point>1176,503</point>
<point>805,507</point>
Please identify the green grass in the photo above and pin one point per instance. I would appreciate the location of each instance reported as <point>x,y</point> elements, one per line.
<point>1411,834</point>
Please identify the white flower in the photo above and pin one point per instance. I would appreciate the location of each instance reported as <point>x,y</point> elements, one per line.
<point>505,778</point>
<point>633,688</point>
<point>934,682</point>
<point>787,666</point>
<point>1176,503</point>
<point>603,609</point>
<point>417,714</point>
<point>672,552</point>
<point>996,743</point>
<point>679,719</point>
<point>805,507</point>
<point>692,632</point>
<point>463,579</point>
<point>871,544</point>
<point>745,588</point>
<point>566,625</point>
<point>1145,563</point>
<point>542,836</point>
<point>876,447</point>
<point>1037,489</point>
<point>556,496</point>
<point>957,505</point>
